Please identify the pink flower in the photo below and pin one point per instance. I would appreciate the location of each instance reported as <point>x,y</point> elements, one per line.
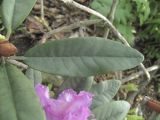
<point>68,106</point>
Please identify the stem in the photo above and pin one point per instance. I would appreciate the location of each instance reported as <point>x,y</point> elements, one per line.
<point>17,63</point>
<point>9,31</point>
<point>18,58</point>
<point>2,60</point>
<point>111,15</point>
<point>42,10</point>
<point>69,28</point>
<point>136,75</point>
<point>43,20</point>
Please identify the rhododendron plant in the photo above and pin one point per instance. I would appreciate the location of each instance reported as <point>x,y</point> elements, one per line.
<point>79,63</point>
<point>68,106</point>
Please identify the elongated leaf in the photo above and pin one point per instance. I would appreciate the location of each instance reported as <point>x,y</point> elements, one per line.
<point>34,75</point>
<point>76,83</point>
<point>158,117</point>
<point>15,11</point>
<point>116,110</point>
<point>82,56</point>
<point>104,91</point>
<point>17,98</point>
<point>155,116</point>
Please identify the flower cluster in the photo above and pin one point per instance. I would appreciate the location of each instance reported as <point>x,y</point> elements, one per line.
<point>68,106</point>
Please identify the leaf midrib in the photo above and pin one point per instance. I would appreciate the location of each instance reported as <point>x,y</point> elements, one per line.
<point>82,57</point>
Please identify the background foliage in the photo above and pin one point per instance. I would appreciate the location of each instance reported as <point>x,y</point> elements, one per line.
<point>136,19</point>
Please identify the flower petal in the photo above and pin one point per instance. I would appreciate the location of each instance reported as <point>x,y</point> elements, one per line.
<point>68,106</point>
<point>43,94</point>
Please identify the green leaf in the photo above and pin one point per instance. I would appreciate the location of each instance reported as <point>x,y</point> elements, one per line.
<point>102,6</point>
<point>17,97</point>
<point>52,79</point>
<point>34,75</point>
<point>76,83</point>
<point>123,17</point>
<point>134,117</point>
<point>143,10</point>
<point>116,110</point>
<point>155,116</point>
<point>123,10</point>
<point>15,11</point>
<point>126,31</point>
<point>82,56</point>
<point>104,91</point>
<point>130,87</point>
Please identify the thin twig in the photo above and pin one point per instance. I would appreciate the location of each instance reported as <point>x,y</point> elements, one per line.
<point>111,16</point>
<point>69,28</point>
<point>91,11</point>
<point>43,20</point>
<point>17,63</point>
<point>136,75</point>
<point>107,30</point>
<point>42,10</point>
<point>110,25</point>
<point>17,58</point>
<point>142,86</point>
